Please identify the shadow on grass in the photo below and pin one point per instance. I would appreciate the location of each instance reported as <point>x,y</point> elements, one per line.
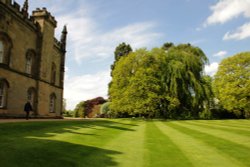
<point>29,144</point>
<point>36,152</point>
<point>61,127</point>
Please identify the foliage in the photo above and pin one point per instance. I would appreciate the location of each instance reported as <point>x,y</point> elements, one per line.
<point>159,82</point>
<point>121,50</point>
<point>64,106</point>
<point>183,81</point>
<point>68,113</point>
<point>85,108</point>
<point>104,110</point>
<point>135,87</point>
<point>232,84</point>
<point>167,45</point>
<point>79,110</point>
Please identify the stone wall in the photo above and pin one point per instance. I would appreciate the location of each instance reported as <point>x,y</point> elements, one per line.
<point>34,33</point>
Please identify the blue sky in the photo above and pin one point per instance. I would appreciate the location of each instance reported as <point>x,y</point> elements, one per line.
<point>221,28</point>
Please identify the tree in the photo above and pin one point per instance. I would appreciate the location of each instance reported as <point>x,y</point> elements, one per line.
<point>232,84</point>
<point>183,83</point>
<point>167,45</point>
<point>85,108</point>
<point>158,82</point>
<point>135,85</point>
<point>64,106</point>
<point>104,110</point>
<point>121,50</point>
<point>79,110</point>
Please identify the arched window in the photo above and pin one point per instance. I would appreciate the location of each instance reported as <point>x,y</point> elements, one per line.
<point>29,64</point>
<point>3,92</point>
<point>1,51</point>
<point>52,103</point>
<point>5,48</point>
<point>31,94</point>
<point>53,73</point>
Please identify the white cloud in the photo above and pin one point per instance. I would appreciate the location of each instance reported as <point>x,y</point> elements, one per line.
<point>239,34</point>
<point>226,10</point>
<point>87,38</point>
<point>86,87</point>
<point>211,69</point>
<point>220,54</point>
<point>101,45</point>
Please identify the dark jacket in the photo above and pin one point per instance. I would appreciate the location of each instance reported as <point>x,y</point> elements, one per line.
<point>27,107</point>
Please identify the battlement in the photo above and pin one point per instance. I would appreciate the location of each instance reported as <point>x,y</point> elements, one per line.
<point>14,7</point>
<point>24,15</point>
<point>34,21</point>
<point>43,13</point>
<point>8,2</point>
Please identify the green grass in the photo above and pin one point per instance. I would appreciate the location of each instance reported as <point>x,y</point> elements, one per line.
<point>127,143</point>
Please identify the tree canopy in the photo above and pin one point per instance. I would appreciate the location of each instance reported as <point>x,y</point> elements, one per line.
<point>165,81</point>
<point>232,84</point>
<point>85,108</point>
<point>122,49</point>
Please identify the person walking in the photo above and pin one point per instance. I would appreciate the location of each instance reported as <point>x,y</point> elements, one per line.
<point>27,109</point>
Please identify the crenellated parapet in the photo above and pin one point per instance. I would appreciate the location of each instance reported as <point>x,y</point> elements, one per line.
<point>35,21</point>
<point>43,13</point>
<point>20,12</point>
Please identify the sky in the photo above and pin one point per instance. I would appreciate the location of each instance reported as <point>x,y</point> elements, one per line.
<point>221,28</point>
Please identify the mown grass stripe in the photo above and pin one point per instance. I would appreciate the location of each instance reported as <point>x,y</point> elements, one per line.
<point>235,138</point>
<point>233,150</point>
<point>231,126</point>
<point>130,144</point>
<point>198,152</point>
<point>160,151</point>
<point>237,131</point>
<point>234,123</point>
<point>86,132</point>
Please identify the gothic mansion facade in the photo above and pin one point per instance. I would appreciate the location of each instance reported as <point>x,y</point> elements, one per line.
<point>32,61</point>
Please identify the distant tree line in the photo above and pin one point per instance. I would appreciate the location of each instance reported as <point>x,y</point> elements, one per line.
<point>87,109</point>
<point>170,82</point>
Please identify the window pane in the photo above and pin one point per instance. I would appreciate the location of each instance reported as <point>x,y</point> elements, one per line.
<point>1,88</point>
<point>1,101</point>
<point>28,64</point>
<point>1,51</point>
<point>29,96</point>
<point>2,94</point>
<point>52,104</point>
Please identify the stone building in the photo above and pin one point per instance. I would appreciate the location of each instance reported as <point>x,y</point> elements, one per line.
<point>32,61</point>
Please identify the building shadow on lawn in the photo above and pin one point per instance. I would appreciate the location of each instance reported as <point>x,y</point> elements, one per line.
<point>29,145</point>
<point>45,128</point>
<point>50,153</point>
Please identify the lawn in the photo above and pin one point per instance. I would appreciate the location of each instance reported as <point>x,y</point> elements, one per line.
<point>125,142</point>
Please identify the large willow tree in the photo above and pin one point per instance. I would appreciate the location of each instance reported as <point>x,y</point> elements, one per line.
<point>165,81</point>
<point>183,80</point>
